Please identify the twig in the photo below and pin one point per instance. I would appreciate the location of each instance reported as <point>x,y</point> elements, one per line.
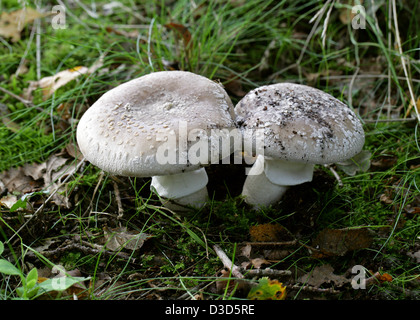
<point>315,289</point>
<point>15,96</point>
<point>86,248</point>
<point>27,102</point>
<point>227,262</point>
<point>273,243</point>
<point>267,272</point>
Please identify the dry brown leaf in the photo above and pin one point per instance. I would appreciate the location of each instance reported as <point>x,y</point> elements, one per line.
<point>16,180</point>
<point>337,242</point>
<point>35,177</point>
<point>258,262</point>
<point>52,83</point>
<point>246,251</point>
<point>120,238</point>
<point>8,201</point>
<point>267,232</point>
<point>12,23</point>
<point>322,274</point>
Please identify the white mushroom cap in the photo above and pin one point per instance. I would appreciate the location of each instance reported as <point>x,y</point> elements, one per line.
<point>300,123</point>
<point>122,131</point>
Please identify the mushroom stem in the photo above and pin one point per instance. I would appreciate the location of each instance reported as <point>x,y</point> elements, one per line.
<point>269,179</point>
<point>181,190</point>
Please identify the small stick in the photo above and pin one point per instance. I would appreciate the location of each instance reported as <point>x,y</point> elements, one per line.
<point>268,272</point>
<point>272,243</point>
<point>227,262</point>
<point>315,289</point>
<point>24,101</point>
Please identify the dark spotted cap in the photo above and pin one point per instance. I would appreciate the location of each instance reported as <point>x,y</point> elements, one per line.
<point>300,123</point>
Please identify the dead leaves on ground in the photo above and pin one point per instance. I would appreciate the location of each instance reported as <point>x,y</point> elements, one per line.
<point>120,238</point>
<point>38,178</point>
<point>12,23</point>
<point>255,258</point>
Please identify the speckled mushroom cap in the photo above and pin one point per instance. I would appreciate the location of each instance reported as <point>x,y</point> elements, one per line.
<point>300,123</point>
<point>122,131</point>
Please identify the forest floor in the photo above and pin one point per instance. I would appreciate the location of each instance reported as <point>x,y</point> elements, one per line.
<point>351,233</point>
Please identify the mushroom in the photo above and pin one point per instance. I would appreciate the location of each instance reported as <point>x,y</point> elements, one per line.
<point>302,126</point>
<point>166,125</point>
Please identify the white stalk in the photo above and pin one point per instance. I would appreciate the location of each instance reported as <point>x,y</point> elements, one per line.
<point>188,189</point>
<point>269,179</point>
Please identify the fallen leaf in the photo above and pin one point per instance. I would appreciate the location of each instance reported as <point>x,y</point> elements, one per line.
<point>51,84</point>
<point>258,262</point>
<point>322,274</point>
<point>337,242</point>
<point>12,23</point>
<point>246,251</point>
<point>35,177</point>
<point>267,289</point>
<point>8,201</point>
<point>121,238</point>
<point>267,232</point>
<point>16,180</point>
<point>386,198</point>
<point>385,277</point>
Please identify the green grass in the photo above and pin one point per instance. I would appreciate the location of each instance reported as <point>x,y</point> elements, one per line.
<point>238,45</point>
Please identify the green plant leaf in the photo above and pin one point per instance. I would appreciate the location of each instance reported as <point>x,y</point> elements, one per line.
<point>32,278</point>
<point>60,284</point>
<point>20,204</point>
<point>7,268</point>
<point>1,247</point>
